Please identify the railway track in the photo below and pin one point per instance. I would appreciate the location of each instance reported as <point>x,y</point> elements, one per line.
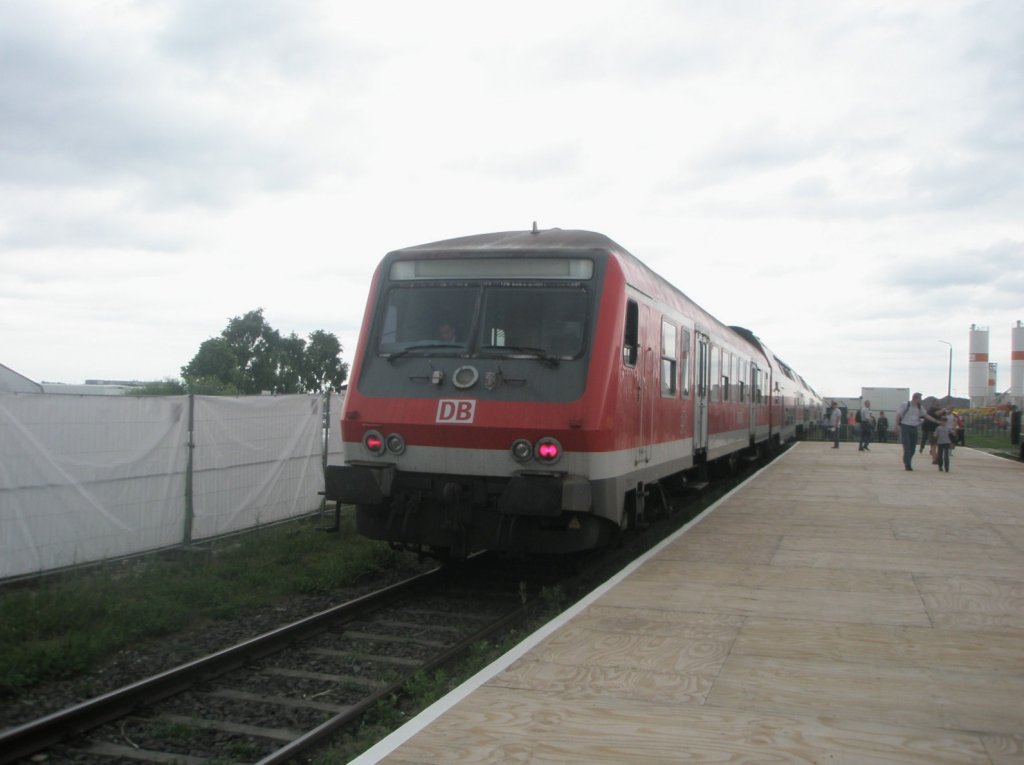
<point>271,698</point>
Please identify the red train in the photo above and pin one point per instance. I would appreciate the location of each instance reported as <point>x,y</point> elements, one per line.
<point>535,391</point>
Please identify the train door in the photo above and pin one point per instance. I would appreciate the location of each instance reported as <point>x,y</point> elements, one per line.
<point>701,392</point>
<point>648,389</point>
<point>755,396</point>
<point>638,362</point>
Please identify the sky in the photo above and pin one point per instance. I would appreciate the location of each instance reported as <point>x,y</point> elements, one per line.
<point>846,179</point>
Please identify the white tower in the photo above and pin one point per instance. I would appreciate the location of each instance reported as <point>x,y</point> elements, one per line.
<point>977,376</point>
<point>1017,364</point>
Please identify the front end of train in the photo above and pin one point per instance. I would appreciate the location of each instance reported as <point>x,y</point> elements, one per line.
<point>465,424</point>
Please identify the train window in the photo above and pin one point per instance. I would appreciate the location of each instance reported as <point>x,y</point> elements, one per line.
<point>684,373</point>
<point>726,374</point>
<point>716,374</point>
<point>426,318</point>
<point>631,341</point>
<point>702,367</point>
<point>668,359</point>
<point>533,320</point>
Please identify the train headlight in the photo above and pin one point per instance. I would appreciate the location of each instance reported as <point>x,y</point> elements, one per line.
<point>548,450</point>
<point>374,442</point>
<point>395,444</point>
<point>522,450</point>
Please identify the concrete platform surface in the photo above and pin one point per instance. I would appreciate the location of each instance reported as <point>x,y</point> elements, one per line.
<point>833,609</point>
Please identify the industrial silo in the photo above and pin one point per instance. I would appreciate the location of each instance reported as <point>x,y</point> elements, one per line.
<point>977,375</point>
<point>1017,364</point>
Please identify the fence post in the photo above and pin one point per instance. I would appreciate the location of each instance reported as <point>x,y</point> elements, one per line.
<point>325,429</point>
<point>191,446</point>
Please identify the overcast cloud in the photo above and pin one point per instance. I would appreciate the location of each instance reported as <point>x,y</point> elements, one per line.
<point>846,179</point>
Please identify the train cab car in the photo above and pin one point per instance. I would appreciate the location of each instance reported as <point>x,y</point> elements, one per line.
<point>529,391</point>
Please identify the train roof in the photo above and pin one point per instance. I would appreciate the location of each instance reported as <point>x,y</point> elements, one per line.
<point>549,239</point>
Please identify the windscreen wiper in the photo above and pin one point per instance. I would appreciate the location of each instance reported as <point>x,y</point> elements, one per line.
<point>540,354</point>
<point>424,347</point>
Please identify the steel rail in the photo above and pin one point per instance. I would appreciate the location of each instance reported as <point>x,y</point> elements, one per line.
<point>330,727</point>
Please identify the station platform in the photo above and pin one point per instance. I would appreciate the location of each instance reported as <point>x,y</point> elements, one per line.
<point>834,608</point>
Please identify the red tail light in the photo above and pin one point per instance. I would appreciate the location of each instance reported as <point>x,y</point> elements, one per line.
<point>548,450</point>
<point>374,442</point>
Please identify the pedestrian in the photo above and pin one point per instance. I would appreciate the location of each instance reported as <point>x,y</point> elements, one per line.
<point>960,428</point>
<point>944,436</point>
<point>867,425</point>
<point>928,427</point>
<point>883,428</point>
<point>834,418</point>
<point>909,417</point>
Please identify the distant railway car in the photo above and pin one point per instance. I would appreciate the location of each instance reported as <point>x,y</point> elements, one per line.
<point>534,391</point>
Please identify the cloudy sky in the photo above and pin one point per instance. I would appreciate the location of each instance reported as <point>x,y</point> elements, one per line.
<point>844,178</point>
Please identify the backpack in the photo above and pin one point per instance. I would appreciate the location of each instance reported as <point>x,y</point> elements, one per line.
<point>858,416</point>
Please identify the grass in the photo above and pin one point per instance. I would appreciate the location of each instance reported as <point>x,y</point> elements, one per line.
<point>994,440</point>
<point>64,625</point>
<point>997,442</point>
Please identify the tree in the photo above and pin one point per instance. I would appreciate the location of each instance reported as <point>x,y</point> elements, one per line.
<point>324,368</point>
<point>256,346</point>
<point>250,357</point>
<point>215,364</point>
<point>291,370</point>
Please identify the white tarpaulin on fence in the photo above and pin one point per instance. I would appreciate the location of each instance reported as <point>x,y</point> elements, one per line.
<point>335,448</point>
<point>84,478</point>
<point>257,460</point>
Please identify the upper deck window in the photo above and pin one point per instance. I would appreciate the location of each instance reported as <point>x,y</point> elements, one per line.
<point>577,269</point>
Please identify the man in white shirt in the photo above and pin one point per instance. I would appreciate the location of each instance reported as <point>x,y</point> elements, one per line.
<point>908,419</point>
<point>867,426</point>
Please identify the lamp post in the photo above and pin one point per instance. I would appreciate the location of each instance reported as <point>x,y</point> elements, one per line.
<point>949,379</point>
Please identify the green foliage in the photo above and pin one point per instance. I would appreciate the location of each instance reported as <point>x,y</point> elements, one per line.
<point>70,623</point>
<point>993,440</point>
<point>322,370</point>
<point>215,364</point>
<point>250,357</point>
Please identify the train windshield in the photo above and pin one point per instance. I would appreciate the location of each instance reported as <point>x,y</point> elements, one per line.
<point>545,321</point>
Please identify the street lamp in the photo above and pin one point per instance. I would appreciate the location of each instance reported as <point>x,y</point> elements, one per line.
<point>949,380</point>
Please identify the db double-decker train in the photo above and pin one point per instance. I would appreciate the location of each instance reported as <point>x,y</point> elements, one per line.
<point>536,391</point>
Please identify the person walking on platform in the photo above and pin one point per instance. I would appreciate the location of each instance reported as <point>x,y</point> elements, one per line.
<point>883,428</point>
<point>867,426</point>
<point>909,417</point>
<point>944,437</point>
<point>834,418</point>
<point>928,426</point>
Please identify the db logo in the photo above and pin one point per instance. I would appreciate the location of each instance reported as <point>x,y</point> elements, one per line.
<point>455,410</point>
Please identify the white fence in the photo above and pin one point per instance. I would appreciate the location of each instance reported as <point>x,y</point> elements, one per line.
<point>84,478</point>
